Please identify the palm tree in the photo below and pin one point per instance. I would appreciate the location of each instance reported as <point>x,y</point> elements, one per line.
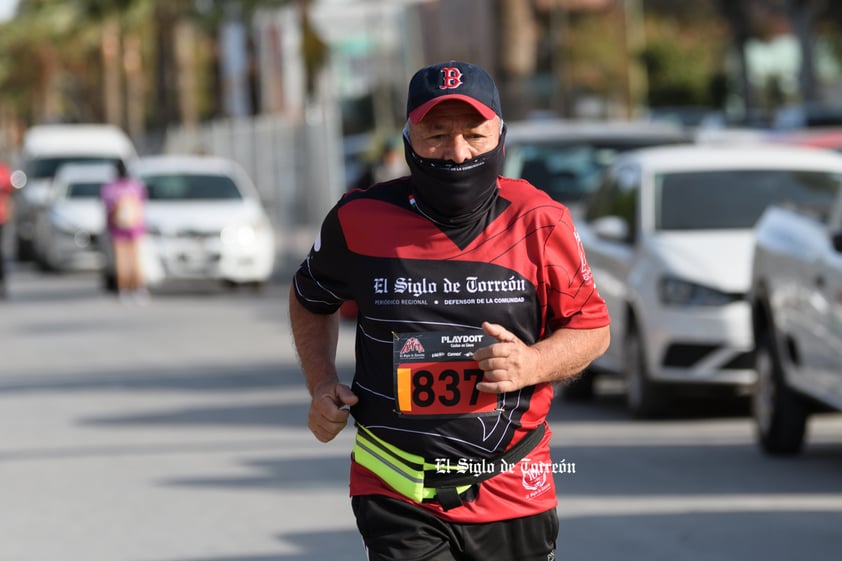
<point>518,52</point>
<point>802,14</point>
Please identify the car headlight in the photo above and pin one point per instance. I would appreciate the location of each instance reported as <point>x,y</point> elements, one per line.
<point>243,235</point>
<point>678,292</point>
<point>62,223</point>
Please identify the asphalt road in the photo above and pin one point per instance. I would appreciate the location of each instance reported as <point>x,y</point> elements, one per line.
<point>175,432</point>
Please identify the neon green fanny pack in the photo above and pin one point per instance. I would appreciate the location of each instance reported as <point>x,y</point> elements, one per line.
<point>415,478</point>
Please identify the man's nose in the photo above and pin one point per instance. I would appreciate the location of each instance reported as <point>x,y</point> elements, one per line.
<point>459,150</point>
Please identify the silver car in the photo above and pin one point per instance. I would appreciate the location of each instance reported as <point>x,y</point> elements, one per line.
<point>69,224</point>
<point>566,158</point>
<point>45,149</point>
<point>205,222</point>
<point>669,236</point>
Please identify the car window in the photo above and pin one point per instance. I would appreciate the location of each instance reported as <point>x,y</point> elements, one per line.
<point>45,168</point>
<point>599,204</point>
<point>570,170</point>
<point>566,173</point>
<point>84,190</point>
<point>186,187</point>
<point>616,196</point>
<point>731,199</point>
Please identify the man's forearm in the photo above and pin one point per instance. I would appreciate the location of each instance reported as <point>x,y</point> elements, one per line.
<point>315,337</point>
<point>568,352</point>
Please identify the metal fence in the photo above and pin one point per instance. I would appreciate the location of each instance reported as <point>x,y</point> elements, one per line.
<point>297,166</point>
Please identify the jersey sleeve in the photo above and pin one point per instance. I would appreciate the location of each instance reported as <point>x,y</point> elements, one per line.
<point>573,299</point>
<point>319,283</point>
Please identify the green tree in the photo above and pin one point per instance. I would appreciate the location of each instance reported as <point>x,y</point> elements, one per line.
<point>683,62</point>
<point>35,64</point>
<point>56,54</point>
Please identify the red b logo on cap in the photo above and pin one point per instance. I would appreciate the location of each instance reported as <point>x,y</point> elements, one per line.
<point>450,78</point>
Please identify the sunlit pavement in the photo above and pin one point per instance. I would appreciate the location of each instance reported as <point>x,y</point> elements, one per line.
<point>176,432</point>
<point>173,431</point>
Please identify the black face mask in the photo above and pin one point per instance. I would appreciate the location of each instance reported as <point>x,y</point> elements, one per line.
<point>451,193</point>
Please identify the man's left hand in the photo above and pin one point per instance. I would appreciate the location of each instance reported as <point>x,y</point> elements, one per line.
<point>509,364</point>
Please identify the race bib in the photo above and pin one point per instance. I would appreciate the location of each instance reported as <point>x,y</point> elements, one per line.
<point>436,375</point>
<point>128,212</point>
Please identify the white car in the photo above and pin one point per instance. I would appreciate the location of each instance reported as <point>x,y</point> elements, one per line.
<point>45,149</point>
<point>204,220</point>
<point>796,297</point>
<point>669,237</point>
<point>68,226</point>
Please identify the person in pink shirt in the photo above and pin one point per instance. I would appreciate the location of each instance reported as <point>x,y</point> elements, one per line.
<point>124,200</point>
<point>5,204</point>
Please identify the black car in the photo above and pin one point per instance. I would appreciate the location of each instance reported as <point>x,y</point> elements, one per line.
<point>566,158</point>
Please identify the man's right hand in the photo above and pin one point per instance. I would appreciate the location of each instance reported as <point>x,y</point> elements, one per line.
<point>328,410</point>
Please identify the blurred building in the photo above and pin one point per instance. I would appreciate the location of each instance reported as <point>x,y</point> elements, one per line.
<point>373,48</point>
<point>293,145</point>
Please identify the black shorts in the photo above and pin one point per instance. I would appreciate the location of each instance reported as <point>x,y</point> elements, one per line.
<point>393,530</point>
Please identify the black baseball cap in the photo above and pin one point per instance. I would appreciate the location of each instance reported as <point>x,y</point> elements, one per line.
<point>452,80</point>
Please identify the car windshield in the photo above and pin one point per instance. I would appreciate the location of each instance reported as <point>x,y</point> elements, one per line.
<point>45,168</point>
<point>189,187</point>
<point>84,190</point>
<point>565,173</point>
<point>735,199</point>
<point>569,171</point>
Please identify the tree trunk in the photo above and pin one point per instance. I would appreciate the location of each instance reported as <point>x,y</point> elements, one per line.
<point>735,12</point>
<point>185,56</point>
<point>166,78</point>
<point>135,99</point>
<point>112,56</point>
<point>802,13</point>
<point>518,46</point>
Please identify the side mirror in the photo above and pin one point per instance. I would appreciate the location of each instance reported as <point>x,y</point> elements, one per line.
<point>612,228</point>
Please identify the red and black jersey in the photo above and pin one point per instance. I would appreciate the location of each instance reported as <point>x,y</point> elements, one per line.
<point>423,285</point>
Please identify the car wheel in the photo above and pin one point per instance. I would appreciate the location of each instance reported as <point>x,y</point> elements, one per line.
<point>43,262</point>
<point>255,286</point>
<point>643,396</point>
<point>780,415</point>
<point>109,282</point>
<point>24,251</point>
<point>580,388</point>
